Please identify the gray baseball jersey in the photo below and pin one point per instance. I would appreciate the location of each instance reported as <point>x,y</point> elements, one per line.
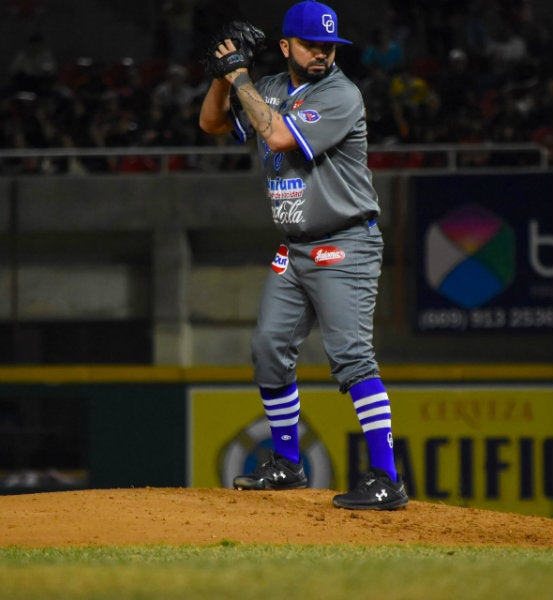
<point>325,184</point>
<point>324,202</point>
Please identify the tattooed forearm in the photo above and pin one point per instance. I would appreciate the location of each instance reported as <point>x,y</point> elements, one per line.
<point>241,79</point>
<point>260,114</point>
<point>267,127</point>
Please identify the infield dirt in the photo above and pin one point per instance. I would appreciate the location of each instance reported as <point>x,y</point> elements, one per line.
<point>178,516</point>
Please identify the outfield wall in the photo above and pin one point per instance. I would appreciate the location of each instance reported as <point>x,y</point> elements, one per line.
<point>468,435</point>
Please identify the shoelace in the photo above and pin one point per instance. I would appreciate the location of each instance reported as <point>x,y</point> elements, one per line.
<point>268,464</point>
<point>366,481</point>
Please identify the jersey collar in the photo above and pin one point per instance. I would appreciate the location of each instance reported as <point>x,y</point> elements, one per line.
<point>292,91</point>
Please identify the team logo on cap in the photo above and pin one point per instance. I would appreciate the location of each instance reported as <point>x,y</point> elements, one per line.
<point>280,261</point>
<point>327,255</point>
<point>309,116</point>
<point>328,23</point>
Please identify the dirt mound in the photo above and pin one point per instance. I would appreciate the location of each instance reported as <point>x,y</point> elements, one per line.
<point>209,516</point>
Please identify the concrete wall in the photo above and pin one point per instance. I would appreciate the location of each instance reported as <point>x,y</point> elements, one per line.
<point>190,252</point>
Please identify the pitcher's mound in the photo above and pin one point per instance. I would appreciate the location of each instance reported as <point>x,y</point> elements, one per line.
<point>210,516</point>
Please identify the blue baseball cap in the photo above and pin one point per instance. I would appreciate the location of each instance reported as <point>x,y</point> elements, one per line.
<point>312,21</point>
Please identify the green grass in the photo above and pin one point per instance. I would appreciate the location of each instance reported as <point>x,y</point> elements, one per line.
<point>230,570</point>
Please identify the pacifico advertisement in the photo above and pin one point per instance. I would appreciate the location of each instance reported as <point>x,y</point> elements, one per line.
<point>481,446</point>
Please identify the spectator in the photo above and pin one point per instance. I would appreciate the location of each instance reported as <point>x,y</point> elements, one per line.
<point>381,124</point>
<point>411,99</point>
<point>508,124</point>
<point>496,84</point>
<point>184,124</point>
<point>32,123</point>
<point>382,52</point>
<point>156,126</point>
<point>475,34</point>
<point>457,85</point>
<point>544,137</point>
<point>34,66</point>
<point>132,92</point>
<point>175,91</point>
<point>91,85</point>
<point>507,53</point>
<point>543,110</point>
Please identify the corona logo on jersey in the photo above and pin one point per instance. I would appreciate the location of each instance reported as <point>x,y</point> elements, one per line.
<point>327,255</point>
<point>280,261</point>
<point>470,256</point>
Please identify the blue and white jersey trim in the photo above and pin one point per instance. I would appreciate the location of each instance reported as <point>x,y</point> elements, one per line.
<point>299,89</point>
<point>241,134</point>
<point>302,142</point>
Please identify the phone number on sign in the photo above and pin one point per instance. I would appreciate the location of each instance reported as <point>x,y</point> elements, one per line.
<point>525,317</point>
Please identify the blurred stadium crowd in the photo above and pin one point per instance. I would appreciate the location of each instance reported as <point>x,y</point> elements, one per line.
<point>431,73</point>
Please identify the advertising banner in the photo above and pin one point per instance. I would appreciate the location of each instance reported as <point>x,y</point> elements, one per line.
<point>476,446</point>
<point>484,253</point>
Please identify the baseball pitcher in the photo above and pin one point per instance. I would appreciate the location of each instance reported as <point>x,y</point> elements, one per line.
<point>311,138</point>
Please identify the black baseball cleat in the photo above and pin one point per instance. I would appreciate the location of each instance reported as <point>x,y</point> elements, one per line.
<point>375,491</point>
<point>277,473</point>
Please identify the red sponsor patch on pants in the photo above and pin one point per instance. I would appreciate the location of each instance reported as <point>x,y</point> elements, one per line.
<point>327,255</point>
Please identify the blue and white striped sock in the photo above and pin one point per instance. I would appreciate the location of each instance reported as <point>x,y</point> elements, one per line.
<point>282,408</point>
<point>373,409</point>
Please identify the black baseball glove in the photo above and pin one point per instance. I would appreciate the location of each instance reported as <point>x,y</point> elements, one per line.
<point>247,39</point>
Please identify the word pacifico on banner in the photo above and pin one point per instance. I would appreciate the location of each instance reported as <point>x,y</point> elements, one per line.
<point>476,446</point>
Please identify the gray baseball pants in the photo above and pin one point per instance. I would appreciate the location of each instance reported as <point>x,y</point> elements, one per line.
<point>340,296</point>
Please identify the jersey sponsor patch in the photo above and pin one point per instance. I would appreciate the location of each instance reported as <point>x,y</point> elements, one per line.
<point>309,116</point>
<point>327,255</point>
<point>282,188</point>
<point>272,101</point>
<point>280,261</point>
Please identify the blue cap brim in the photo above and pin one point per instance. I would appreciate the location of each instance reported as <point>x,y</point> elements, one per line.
<point>326,40</point>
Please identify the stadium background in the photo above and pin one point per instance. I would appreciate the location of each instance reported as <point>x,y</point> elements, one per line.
<point>130,291</point>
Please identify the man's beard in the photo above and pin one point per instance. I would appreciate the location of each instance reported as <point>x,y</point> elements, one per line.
<point>303,74</point>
